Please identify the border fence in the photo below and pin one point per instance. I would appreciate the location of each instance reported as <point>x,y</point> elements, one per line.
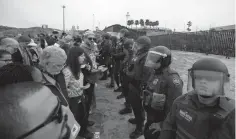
<point>212,42</point>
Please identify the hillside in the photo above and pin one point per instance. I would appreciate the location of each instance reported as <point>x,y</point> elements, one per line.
<point>33,31</point>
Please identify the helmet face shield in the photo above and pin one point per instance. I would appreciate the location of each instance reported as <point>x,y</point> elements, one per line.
<point>153,59</point>
<point>208,83</point>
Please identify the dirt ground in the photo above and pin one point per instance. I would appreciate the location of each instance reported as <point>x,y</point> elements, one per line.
<point>111,125</point>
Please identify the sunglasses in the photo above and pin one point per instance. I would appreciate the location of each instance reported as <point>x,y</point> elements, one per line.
<point>56,115</point>
<point>94,39</point>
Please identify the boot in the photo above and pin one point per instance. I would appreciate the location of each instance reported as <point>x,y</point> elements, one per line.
<point>104,77</point>
<point>126,110</point>
<point>137,132</point>
<point>110,85</point>
<point>132,121</point>
<point>118,89</point>
<point>120,96</point>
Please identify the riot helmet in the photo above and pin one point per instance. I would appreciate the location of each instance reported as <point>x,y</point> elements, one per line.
<point>123,33</point>
<point>142,44</point>
<point>106,36</point>
<point>158,57</point>
<point>209,78</point>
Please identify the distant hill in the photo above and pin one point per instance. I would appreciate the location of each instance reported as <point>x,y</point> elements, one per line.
<point>33,31</point>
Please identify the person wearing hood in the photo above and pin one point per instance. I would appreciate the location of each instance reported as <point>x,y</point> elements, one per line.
<point>137,75</point>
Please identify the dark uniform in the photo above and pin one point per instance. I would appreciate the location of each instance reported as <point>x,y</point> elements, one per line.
<point>125,80</point>
<point>227,129</point>
<point>168,83</point>
<point>111,63</point>
<point>138,74</point>
<point>163,87</point>
<point>119,57</point>
<point>200,113</point>
<point>105,53</point>
<point>189,119</point>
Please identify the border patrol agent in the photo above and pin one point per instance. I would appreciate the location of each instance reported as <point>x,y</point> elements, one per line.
<point>201,112</point>
<point>163,87</point>
<point>137,75</point>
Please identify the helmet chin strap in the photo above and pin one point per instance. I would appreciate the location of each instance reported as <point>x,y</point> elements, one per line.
<point>208,100</point>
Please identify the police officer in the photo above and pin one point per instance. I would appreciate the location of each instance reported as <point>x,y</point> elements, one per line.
<point>118,57</point>
<point>163,87</point>
<point>105,52</point>
<point>137,75</point>
<point>200,112</point>
<point>125,82</point>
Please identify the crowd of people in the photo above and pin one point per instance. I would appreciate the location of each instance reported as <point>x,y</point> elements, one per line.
<point>48,88</point>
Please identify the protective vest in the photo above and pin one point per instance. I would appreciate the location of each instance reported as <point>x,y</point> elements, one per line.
<point>136,66</point>
<point>158,83</point>
<point>193,122</point>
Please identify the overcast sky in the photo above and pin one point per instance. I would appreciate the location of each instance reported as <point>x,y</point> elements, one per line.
<point>169,13</point>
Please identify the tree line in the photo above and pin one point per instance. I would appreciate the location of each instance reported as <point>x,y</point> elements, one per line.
<point>147,23</point>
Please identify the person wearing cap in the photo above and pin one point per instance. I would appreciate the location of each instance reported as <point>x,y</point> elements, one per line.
<point>138,74</point>
<point>125,65</point>
<point>203,111</point>
<point>163,87</point>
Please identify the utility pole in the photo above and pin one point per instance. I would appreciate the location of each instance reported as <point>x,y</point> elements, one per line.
<point>64,17</point>
<point>93,22</point>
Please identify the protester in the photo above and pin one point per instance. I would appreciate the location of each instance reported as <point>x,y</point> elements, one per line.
<point>75,86</point>
<point>34,112</point>
<point>5,58</point>
<point>52,62</point>
<point>89,48</point>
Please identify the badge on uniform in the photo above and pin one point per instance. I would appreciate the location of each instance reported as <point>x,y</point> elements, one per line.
<point>176,81</point>
<point>75,129</point>
<point>155,81</point>
<point>185,115</point>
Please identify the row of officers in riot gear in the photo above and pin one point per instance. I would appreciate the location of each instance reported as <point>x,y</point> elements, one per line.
<point>150,85</point>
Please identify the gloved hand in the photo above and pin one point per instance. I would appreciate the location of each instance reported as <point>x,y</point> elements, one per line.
<point>147,97</point>
<point>158,101</point>
<point>156,127</point>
